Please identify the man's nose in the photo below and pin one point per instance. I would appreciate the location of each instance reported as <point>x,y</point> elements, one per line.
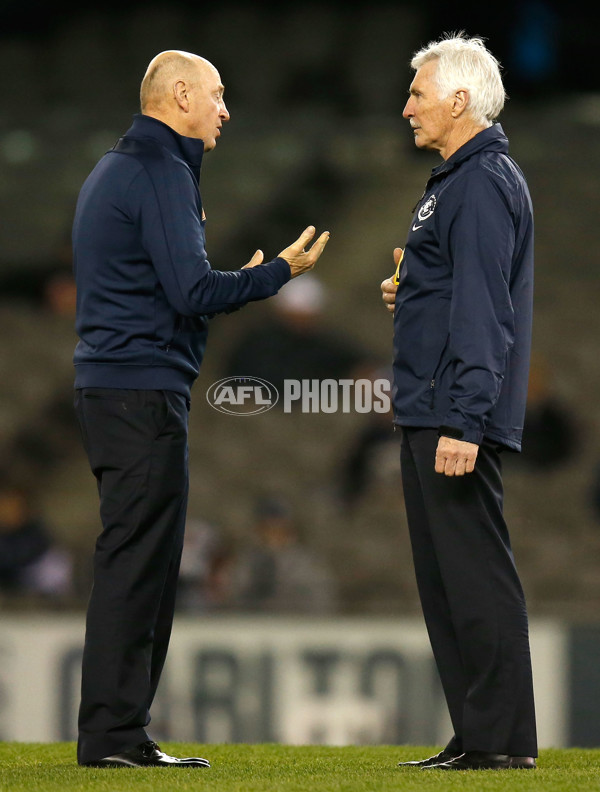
<point>224,114</point>
<point>407,112</point>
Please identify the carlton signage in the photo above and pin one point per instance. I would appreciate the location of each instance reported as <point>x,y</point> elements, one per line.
<point>336,681</point>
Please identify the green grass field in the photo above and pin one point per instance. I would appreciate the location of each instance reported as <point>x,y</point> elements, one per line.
<point>253,768</point>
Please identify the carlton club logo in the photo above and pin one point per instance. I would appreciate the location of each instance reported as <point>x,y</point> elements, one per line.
<point>428,208</point>
<point>242,395</point>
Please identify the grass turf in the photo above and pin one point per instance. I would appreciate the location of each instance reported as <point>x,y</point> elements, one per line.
<point>34,767</point>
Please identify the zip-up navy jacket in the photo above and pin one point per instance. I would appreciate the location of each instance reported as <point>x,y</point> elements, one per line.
<point>462,321</point>
<point>145,288</point>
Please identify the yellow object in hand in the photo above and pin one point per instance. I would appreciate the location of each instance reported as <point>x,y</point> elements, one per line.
<point>396,278</point>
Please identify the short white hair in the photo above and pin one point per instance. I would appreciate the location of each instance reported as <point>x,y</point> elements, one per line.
<point>464,62</point>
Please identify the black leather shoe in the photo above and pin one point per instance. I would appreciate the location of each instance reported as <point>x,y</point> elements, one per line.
<point>440,758</point>
<point>480,760</point>
<point>147,754</point>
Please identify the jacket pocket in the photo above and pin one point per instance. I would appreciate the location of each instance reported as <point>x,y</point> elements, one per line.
<point>103,394</point>
<point>166,347</point>
<point>439,369</point>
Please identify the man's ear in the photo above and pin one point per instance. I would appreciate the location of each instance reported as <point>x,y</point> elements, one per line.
<point>460,102</point>
<point>180,93</point>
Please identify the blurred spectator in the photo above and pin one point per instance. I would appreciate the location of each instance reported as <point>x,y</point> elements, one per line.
<point>52,436</point>
<point>295,343</point>
<point>534,49</point>
<point>49,285</point>
<point>373,459</point>
<point>37,309</point>
<point>551,433</point>
<point>30,561</point>
<point>595,494</point>
<point>204,576</point>
<point>278,573</point>
<point>59,294</point>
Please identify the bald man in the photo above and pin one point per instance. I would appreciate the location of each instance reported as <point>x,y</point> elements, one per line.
<point>145,293</point>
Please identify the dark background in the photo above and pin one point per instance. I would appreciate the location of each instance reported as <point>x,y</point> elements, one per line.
<point>315,93</point>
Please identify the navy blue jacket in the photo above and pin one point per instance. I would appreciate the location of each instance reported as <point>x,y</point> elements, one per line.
<point>462,321</point>
<point>145,288</point>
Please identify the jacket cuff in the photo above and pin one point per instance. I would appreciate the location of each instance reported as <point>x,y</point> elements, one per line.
<point>451,431</point>
<point>466,435</point>
<point>282,268</point>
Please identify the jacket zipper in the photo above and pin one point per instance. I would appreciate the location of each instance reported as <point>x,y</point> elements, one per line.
<point>167,346</point>
<point>435,373</point>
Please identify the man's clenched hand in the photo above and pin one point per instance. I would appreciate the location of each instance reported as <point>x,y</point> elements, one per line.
<point>455,457</point>
<point>389,287</point>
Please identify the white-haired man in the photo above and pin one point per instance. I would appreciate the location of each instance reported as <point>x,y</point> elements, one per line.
<point>462,303</point>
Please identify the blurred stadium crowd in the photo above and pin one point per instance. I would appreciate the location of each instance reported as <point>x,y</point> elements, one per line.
<point>295,513</point>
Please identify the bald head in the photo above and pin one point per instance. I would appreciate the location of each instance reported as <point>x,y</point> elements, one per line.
<point>184,91</point>
<point>164,71</point>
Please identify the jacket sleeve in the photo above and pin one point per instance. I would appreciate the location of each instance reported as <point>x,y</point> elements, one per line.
<point>481,238</point>
<point>166,205</point>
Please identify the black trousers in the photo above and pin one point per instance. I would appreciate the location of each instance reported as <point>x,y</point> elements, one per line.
<point>136,442</point>
<point>471,596</point>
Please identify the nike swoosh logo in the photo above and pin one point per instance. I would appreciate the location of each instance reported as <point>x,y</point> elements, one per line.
<point>416,227</point>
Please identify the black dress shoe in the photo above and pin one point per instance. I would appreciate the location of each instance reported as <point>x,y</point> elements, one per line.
<point>440,758</point>
<point>481,760</point>
<point>147,754</point>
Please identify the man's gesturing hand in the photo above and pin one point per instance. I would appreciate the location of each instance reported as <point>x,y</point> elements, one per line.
<point>455,457</point>
<point>301,260</point>
<point>389,287</point>
<point>256,259</point>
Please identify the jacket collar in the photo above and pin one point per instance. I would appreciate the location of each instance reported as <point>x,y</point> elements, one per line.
<point>189,149</point>
<point>490,139</point>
